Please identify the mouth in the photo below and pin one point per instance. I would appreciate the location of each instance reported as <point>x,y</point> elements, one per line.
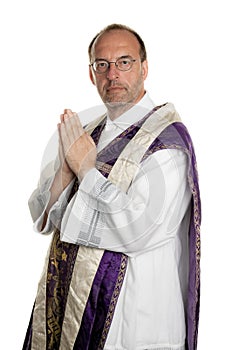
<point>114,88</point>
<point>115,93</point>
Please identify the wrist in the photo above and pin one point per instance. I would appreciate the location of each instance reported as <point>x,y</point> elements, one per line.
<point>65,176</point>
<point>83,172</point>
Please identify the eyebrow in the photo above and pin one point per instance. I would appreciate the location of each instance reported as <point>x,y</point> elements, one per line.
<point>104,59</point>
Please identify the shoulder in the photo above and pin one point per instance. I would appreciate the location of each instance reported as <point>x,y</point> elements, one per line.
<point>174,136</point>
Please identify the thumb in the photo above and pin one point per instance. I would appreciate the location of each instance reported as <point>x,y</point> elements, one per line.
<point>91,139</point>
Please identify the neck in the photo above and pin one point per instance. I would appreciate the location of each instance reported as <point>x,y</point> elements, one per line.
<point>116,109</point>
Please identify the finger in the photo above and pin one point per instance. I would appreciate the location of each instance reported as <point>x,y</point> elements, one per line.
<point>76,126</point>
<point>59,137</point>
<point>60,146</point>
<point>60,150</point>
<point>59,130</point>
<point>67,110</point>
<point>90,139</point>
<point>73,127</point>
<point>79,124</point>
<point>69,113</point>
<point>68,128</point>
<point>64,136</point>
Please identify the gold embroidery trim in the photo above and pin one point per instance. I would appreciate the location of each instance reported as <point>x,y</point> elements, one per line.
<point>113,302</point>
<point>86,265</point>
<point>39,313</point>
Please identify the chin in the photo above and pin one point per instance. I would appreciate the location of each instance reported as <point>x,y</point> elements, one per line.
<point>116,99</point>
<point>115,103</point>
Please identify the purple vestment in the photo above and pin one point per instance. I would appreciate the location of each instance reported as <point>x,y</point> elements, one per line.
<point>106,286</point>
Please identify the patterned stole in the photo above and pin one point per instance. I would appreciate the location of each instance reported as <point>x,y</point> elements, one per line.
<point>80,285</point>
<point>176,136</point>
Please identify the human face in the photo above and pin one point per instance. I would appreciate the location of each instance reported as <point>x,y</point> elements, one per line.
<point>115,86</point>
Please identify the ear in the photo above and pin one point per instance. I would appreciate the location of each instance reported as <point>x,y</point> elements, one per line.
<point>144,69</point>
<point>91,75</point>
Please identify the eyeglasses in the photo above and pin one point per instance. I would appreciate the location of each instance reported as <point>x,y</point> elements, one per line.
<point>122,63</point>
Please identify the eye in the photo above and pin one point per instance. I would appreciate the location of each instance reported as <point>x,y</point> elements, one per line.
<point>124,63</point>
<point>101,66</point>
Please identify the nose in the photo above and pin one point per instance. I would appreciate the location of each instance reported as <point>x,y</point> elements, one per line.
<point>112,73</point>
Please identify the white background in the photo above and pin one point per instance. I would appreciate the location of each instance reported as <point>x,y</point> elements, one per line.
<point>44,69</point>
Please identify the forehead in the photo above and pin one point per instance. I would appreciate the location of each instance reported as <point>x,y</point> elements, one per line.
<point>115,43</point>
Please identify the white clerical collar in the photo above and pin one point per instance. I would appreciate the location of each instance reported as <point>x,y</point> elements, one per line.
<point>133,115</point>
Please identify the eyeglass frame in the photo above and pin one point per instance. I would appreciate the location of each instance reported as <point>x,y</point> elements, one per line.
<point>115,62</point>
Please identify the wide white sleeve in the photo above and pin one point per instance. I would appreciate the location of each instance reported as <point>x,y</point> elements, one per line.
<point>148,215</point>
<point>39,200</point>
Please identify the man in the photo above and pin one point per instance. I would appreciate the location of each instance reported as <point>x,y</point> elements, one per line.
<point>123,269</point>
